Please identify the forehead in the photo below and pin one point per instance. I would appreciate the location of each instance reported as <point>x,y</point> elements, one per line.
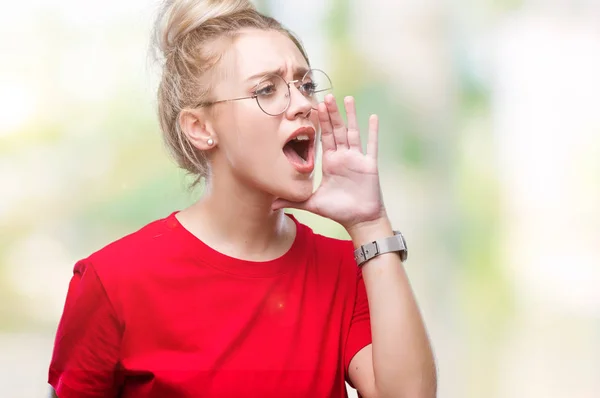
<point>259,51</point>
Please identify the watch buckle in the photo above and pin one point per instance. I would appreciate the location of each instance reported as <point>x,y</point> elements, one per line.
<point>368,255</point>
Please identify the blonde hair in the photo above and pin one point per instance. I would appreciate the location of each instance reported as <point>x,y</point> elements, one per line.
<point>190,38</point>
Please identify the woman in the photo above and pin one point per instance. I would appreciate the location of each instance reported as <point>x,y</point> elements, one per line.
<point>232,297</point>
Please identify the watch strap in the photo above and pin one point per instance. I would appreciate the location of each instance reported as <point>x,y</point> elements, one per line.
<point>373,249</point>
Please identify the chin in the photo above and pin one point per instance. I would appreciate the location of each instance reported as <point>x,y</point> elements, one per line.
<point>298,191</point>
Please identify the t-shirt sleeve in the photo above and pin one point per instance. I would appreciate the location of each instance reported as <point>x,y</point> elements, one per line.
<point>87,345</point>
<point>359,334</point>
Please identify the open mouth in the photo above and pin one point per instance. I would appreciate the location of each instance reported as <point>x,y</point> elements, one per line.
<point>298,148</point>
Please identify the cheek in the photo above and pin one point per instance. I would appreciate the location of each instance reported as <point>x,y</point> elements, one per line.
<point>251,136</point>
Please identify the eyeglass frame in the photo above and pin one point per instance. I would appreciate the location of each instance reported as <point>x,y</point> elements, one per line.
<point>255,96</point>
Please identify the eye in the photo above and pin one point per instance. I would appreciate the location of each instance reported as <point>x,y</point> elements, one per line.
<point>265,89</point>
<point>308,88</point>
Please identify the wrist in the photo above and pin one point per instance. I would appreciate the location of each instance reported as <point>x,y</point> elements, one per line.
<point>368,231</point>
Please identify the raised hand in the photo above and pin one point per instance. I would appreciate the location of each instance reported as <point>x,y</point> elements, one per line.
<point>349,192</point>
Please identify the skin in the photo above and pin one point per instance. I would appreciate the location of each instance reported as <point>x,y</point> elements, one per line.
<point>248,169</point>
<point>251,182</point>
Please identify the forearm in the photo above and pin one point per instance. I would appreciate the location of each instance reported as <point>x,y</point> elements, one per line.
<point>403,361</point>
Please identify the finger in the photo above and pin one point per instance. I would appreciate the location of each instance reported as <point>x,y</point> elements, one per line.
<point>353,132</point>
<point>327,139</point>
<point>340,132</point>
<point>373,136</point>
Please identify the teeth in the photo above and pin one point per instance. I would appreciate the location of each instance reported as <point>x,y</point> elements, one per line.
<point>302,137</point>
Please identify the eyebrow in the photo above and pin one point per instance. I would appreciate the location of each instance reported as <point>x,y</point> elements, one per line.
<point>298,72</point>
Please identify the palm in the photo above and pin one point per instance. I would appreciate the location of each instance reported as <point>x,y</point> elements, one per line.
<point>349,192</point>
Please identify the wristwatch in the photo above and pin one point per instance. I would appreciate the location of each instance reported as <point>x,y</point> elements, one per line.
<point>394,243</point>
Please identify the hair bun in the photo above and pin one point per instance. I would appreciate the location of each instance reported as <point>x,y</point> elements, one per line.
<point>177,18</point>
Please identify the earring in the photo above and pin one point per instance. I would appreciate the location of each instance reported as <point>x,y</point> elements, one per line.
<point>210,142</point>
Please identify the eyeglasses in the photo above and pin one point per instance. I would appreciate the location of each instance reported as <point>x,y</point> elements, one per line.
<point>273,96</point>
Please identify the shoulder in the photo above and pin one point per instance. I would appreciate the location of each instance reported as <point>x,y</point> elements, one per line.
<point>145,242</point>
<point>332,245</point>
<point>329,249</point>
<point>130,256</point>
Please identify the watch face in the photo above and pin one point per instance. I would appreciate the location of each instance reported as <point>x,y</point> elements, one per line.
<point>403,253</point>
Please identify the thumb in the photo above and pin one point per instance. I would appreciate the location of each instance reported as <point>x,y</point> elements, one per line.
<point>282,204</point>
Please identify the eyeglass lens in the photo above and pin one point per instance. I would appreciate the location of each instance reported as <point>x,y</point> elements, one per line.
<point>273,92</point>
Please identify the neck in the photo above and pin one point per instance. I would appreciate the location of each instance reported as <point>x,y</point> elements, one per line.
<point>237,220</point>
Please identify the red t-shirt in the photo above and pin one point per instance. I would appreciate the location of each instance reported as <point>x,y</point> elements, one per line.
<point>160,314</point>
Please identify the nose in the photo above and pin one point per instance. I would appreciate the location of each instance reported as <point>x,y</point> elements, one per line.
<point>299,104</point>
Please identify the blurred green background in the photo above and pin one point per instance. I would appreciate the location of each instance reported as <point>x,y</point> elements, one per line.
<point>490,163</point>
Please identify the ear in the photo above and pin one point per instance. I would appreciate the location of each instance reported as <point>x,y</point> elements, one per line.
<point>198,129</point>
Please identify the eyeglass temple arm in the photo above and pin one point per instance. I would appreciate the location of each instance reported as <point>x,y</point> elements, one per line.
<point>209,103</point>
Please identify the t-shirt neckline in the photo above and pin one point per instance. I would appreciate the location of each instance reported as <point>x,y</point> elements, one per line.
<point>256,269</point>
